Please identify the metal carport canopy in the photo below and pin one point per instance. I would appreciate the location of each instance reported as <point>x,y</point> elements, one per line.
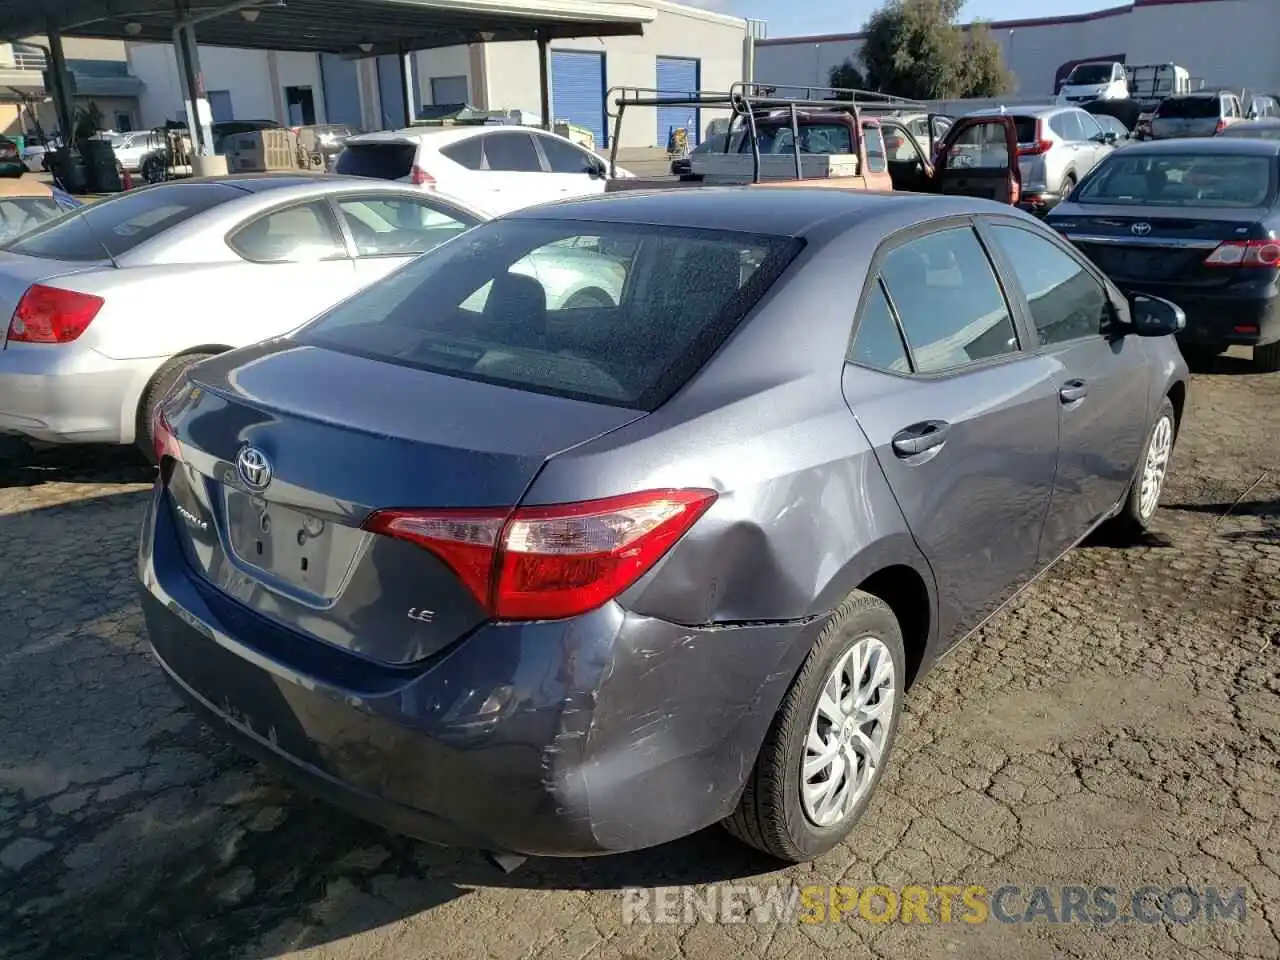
<point>358,28</point>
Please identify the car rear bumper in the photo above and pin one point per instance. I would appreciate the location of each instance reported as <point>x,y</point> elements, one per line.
<point>603,734</point>
<point>64,394</point>
<point>1222,319</point>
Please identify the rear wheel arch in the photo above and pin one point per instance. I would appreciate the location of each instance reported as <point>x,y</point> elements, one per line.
<point>160,380</point>
<point>1178,397</point>
<point>894,570</point>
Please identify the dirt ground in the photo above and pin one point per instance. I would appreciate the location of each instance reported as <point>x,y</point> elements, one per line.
<point>1119,724</point>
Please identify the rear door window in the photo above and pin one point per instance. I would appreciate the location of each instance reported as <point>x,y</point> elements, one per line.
<point>1066,302</point>
<point>945,292</point>
<point>113,227</point>
<point>874,139</point>
<point>302,233</point>
<point>381,161</point>
<point>621,314</point>
<point>1067,126</point>
<point>815,138</point>
<point>511,153</point>
<point>563,157</point>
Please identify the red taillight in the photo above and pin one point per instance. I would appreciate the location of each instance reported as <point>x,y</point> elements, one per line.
<point>51,315</point>
<point>420,177</point>
<point>547,563</point>
<point>1222,125</point>
<point>163,437</point>
<point>1245,253</point>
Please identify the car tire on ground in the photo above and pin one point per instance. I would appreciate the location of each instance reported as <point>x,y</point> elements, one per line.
<point>837,721</point>
<point>169,374</point>
<point>1153,469</point>
<point>1267,358</point>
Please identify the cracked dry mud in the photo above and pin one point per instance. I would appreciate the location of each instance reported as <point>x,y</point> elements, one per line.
<point>1119,724</point>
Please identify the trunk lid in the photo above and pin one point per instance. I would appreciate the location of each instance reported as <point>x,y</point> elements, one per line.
<point>1133,244</point>
<point>343,436</point>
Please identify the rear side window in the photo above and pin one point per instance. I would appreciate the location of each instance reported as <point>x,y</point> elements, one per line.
<point>299,234</point>
<point>815,138</point>
<point>621,314</point>
<point>564,157</point>
<point>1066,302</point>
<point>113,227</point>
<point>952,309</point>
<point>465,153</point>
<point>1188,108</point>
<point>1188,179</point>
<point>511,152</point>
<point>18,215</point>
<point>1067,126</point>
<point>382,161</point>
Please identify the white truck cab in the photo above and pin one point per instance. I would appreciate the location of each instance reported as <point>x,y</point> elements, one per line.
<point>1095,80</point>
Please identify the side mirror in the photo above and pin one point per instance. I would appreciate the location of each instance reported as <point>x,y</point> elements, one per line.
<point>1154,316</point>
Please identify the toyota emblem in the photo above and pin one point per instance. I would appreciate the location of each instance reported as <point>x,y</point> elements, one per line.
<point>254,468</point>
<point>1141,229</point>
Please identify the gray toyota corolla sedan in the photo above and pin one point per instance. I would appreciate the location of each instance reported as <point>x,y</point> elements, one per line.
<point>581,580</point>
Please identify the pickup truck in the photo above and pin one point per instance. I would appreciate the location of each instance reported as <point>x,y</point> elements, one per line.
<point>836,144</point>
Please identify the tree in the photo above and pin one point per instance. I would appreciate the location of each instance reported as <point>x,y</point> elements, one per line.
<point>846,76</point>
<point>915,49</point>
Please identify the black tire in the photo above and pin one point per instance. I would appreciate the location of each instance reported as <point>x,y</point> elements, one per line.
<point>1266,359</point>
<point>168,375</point>
<point>1132,521</point>
<point>770,815</point>
<point>591,298</point>
<point>1068,184</point>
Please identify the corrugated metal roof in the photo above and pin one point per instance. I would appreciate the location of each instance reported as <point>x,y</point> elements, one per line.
<point>333,26</point>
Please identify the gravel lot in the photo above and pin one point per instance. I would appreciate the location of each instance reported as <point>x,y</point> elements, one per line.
<point>1119,724</point>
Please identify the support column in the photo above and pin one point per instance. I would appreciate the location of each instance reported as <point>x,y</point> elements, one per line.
<point>544,83</point>
<point>407,80</point>
<point>61,80</point>
<point>204,162</point>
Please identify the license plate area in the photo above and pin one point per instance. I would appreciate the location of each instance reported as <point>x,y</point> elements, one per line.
<point>308,552</point>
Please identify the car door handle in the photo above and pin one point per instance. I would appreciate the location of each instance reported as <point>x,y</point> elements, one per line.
<point>920,437</point>
<point>1073,390</point>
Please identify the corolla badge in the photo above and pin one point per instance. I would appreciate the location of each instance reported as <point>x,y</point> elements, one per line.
<point>1141,229</point>
<point>254,468</point>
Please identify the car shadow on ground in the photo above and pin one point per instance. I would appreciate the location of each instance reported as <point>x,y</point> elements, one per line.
<point>23,466</point>
<point>129,829</point>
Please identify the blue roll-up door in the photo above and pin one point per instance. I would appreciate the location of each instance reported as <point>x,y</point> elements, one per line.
<point>341,87</point>
<point>577,90</point>
<point>678,75</point>
<point>391,92</point>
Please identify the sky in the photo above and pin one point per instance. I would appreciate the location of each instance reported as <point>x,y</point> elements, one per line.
<point>803,17</point>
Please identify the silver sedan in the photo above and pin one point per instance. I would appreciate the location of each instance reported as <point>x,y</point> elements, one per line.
<point>111,304</point>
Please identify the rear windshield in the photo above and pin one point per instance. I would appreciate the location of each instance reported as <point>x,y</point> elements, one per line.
<point>815,138</point>
<point>1027,129</point>
<point>18,215</point>
<point>1189,108</point>
<point>1191,179</point>
<point>113,227</point>
<point>621,314</point>
<point>382,161</point>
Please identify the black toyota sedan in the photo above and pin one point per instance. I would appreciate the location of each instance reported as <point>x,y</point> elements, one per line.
<point>1195,221</point>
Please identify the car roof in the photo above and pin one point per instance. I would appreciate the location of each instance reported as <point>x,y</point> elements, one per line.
<point>752,209</point>
<point>1023,110</point>
<point>437,135</point>
<point>1260,122</point>
<point>1230,146</point>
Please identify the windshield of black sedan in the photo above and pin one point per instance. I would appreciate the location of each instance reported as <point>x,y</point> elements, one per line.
<point>621,314</point>
<point>1182,179</point>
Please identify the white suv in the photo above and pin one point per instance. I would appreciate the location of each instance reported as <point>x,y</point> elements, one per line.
<point>493,168</point>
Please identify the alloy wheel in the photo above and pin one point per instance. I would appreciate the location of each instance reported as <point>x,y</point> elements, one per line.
<point>848,732</point>
<point>1156,467</point>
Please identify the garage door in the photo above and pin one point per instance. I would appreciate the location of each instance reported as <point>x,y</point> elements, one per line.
<point>577,90</point>
<point>677,75</point>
